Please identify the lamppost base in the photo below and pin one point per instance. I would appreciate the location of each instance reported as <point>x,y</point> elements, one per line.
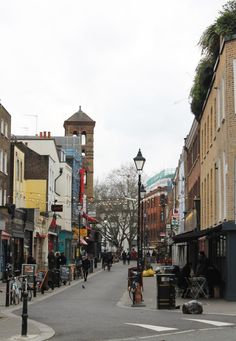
<point>138,297</point>
<point>141,304</point>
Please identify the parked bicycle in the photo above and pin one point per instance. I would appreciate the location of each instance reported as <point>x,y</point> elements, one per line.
<point>26,287</point>
<point>15,287</point>
<point>133,284</point>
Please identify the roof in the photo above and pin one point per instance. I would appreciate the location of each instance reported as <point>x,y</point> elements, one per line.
<point>163,178</point>
<point>79,116</point>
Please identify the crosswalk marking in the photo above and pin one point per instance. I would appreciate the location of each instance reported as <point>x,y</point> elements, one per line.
<point>152,327</point>
<point>214,323</point>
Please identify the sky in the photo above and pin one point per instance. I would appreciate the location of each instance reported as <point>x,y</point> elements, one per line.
<point>129,64</point>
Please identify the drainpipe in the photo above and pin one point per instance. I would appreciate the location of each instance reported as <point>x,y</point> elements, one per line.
<point>60,174</point>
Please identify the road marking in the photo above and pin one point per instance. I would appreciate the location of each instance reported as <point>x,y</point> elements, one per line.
<point>214,323</point>
<point>152,327</point>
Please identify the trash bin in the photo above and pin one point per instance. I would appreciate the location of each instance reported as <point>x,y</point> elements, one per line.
<point>165,291</point>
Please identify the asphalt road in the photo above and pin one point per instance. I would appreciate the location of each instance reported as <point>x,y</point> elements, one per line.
<point>92,314</point>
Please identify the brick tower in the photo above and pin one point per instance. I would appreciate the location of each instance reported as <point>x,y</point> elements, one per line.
<point>81,124</point>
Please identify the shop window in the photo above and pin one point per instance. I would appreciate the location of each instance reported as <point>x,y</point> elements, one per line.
<point>221,246</point>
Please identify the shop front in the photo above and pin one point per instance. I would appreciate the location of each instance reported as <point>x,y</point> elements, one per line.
<point>5,238</point>
<point>17,226</point>
<point>65,244</point>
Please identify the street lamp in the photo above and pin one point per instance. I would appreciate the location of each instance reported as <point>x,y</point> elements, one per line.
<point>139,161</point>
<point>142,196</point>
<point>105,231</point>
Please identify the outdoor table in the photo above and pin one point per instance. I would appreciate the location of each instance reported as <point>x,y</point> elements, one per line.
<point>198,287</point>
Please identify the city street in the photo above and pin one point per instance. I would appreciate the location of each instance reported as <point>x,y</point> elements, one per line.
<point>101,311</point>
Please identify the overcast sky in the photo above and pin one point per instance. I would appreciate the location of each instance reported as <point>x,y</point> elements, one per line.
<point>130,64</point>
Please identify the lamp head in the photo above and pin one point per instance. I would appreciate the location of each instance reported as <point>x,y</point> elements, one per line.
<point>139,161</point>
<point>142,191</point>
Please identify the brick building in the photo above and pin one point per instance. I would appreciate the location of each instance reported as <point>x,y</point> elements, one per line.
<point>81,124</point>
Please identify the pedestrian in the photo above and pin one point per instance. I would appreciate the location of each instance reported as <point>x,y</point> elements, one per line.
<point>62,259</point>
<point>85,267</point>
<point>51,261</point>
<point>214,280</point>
<point>202,265</point>
<point>183,281</point>
<point>31,259</point>
<point>124,257</point>
<point>128,257</point>
<point>51,269</point>
<point>57,260</point>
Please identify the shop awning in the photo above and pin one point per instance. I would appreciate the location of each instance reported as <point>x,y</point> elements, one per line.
<point>90,219</point>
<point>83,241</point>
<point>195,234</point>
<point>53,223</point>
<point>5,235</point>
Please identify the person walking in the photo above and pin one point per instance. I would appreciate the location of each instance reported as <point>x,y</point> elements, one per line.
<point>63,259</point>
<point>128,257</point>
<point>85,267</point>
<point>124,257</point>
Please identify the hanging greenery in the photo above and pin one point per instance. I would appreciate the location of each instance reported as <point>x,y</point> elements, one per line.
<point>224,25</point>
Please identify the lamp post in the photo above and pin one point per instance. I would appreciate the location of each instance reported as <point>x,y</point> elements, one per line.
<point>105,231</point>
<point>139,161</point>
<point>142,195</point>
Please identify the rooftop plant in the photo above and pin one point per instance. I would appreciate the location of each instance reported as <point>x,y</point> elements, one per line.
<point>224,25</point>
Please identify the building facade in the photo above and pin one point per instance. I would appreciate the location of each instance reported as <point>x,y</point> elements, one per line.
<point>218,167</point>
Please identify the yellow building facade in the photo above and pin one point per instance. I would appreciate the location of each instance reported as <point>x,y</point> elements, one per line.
<point>218,166</point>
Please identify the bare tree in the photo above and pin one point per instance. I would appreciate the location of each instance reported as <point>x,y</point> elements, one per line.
<point>115,199</point>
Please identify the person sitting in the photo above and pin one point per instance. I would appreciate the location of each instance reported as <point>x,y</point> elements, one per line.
<point>185,274</point>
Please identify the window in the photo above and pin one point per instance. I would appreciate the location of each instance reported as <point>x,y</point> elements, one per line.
<point>211,126</point>
<point>1,199</point>
<point>1,160</point>
<point>83,138</point>
<point>222,98</point>
<point>208,132</point>
<point>21,171</point>
<point>218,113</point>
<point>221,246</point>
<point>2,126</point>
<point>17,170</point>
<point>234,76</point>
<point>5,197</point>
<point>6,129</point>
<point>5,163</point>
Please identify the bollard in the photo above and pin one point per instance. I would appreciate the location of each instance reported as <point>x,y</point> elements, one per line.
<point>7,291</point>
<point>137,287</point>
<point>24,314</point>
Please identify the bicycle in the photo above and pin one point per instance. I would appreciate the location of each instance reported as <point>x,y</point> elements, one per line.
<point>14,291</point>
<point>132,288</point>
<point>25,286</point>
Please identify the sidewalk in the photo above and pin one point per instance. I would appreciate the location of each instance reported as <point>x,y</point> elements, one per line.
<point>210,306</point>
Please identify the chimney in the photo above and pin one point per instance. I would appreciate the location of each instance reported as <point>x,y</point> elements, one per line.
<point>44,134</point>
<point>49,134</point>
<point>41,135</point>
